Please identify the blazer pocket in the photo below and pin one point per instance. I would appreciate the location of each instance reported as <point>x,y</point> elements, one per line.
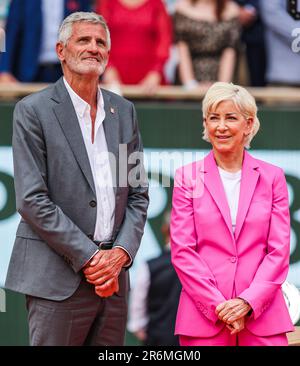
<point>25,231</point>
<point>262,203</point>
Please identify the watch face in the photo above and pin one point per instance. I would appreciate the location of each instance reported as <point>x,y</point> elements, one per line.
<point>292,298</point>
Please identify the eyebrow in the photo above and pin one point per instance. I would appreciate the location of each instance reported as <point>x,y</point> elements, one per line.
<point>217,114</point>
<point>82,38</point>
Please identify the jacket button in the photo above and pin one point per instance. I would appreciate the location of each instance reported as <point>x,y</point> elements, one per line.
<point>233,259</point>
<point>93,203</point>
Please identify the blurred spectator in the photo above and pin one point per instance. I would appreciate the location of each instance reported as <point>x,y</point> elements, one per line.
<point>253,37</point>
<point>283,64</point>
<point>170,4</point>
<point>2,40</point>
<point>31,34</point>
<point>207,34</point>
<point>141,37</point>
<point>154,298</point>
<point>4,5</point>
<point>172,62</point>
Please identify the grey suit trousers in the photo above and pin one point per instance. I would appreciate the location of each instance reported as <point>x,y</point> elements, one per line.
<point>84,319</point>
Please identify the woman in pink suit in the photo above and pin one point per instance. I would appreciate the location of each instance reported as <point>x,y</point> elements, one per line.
<point>230,233</point>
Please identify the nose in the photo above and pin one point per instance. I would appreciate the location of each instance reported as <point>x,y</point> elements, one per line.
<point>222,124</point>
<point>93,47</point>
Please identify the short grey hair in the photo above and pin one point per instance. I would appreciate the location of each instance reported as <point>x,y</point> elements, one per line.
<point>65,30</point>
<point>242,99</point>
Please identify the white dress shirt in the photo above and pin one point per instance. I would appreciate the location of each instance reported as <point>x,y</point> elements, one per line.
<point>232,184</point>
<point>52,16</point>
<point>99,162</point>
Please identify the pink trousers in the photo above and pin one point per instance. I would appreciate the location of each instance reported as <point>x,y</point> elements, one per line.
<point>243,338</point>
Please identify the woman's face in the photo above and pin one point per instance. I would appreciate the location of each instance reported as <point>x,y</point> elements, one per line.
<point>227,128</point>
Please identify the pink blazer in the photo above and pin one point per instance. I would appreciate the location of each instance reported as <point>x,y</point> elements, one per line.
<point>214,265</point>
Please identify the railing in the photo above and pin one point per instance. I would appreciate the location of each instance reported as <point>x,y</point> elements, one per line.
<point>272,95</point>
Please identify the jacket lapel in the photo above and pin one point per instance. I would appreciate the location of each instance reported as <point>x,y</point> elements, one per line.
<point>111,124</point>
<point>111,130</point>
<point>213,183</point>
<point>250,175</point>
<point>67,118</point>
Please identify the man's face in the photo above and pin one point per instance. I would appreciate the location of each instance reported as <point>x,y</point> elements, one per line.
<point>86,52</point>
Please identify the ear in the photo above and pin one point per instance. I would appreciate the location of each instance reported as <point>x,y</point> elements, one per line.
<point>60,48</point>
<point>249,125</point>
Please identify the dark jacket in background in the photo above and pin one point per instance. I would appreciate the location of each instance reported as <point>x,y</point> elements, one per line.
<point>162,303</point>
<point>253,37</point>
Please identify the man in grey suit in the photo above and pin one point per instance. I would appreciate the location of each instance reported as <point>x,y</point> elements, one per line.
<point>83,205</point>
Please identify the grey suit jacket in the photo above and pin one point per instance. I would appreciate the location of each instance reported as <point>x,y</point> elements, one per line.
<point>55,192</point>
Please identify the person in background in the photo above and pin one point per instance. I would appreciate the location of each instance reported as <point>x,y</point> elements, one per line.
<point>142,36</point>
<point>31,33</point>
<point>282,60</point>
<point>230,233</point>
<point>170,5</point>
<point>4,6</point>
<point>254,40</point>
<point>207,33</point>
<point>154,298</point>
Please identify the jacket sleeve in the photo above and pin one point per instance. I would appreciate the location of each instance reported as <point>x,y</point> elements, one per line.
<point>132,229</point>
<point>273,269</point>
<point>32,195</point>
<point>194,274</point>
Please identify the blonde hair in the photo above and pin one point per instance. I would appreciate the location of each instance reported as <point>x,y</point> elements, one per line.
<point>242,99</point>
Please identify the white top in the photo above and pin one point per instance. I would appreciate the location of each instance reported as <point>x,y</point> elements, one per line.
<point>138,317</point>
<point>52,16</point>
<point>99,162</point>
<point>232,184</point>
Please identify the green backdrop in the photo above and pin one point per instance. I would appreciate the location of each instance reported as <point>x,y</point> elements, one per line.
<point>171,126</point>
